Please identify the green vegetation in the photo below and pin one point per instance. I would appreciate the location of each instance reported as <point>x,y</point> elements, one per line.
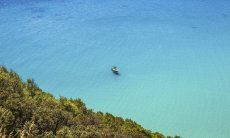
<point>27,112</point>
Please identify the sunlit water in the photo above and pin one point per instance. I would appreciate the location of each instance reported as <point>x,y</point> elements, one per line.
<point>174,57</point>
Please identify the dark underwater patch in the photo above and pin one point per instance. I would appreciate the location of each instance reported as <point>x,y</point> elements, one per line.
<point>224,15</point>
<point>35,10</point>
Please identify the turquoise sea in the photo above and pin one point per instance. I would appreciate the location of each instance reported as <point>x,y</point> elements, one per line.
<point>174,57</point>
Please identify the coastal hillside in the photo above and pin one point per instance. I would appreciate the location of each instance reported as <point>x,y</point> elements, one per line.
<point>26,111</point>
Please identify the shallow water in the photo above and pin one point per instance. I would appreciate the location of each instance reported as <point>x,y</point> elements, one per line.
<point>173,56</point>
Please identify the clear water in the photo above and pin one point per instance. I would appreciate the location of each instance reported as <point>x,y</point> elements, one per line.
<point>174,58</point>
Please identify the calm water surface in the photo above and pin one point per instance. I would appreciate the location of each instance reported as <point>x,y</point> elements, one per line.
<point>174,58</point>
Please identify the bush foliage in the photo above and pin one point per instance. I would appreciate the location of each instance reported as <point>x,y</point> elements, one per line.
<point>27,112</point>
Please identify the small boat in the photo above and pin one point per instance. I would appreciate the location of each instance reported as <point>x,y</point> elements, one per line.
<point>115,70</point>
